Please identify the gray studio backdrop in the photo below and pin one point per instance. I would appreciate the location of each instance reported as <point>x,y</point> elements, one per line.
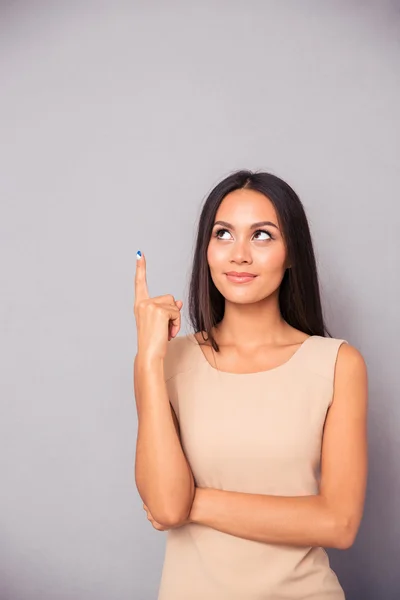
<point>116,119</point>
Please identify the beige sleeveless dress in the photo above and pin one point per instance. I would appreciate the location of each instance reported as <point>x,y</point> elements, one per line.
<point>258,433</point>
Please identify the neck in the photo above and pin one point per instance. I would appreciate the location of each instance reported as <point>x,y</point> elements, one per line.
<point>252,324</point>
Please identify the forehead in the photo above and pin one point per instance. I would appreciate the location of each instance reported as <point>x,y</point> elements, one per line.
<point>246,206</point>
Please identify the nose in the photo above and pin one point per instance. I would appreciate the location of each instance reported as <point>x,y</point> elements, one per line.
<point>241,252</point>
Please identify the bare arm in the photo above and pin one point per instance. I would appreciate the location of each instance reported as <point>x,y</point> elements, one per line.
<point>162,474</point>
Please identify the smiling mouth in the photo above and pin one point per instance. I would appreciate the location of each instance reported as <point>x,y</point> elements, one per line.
<point>240,278</point>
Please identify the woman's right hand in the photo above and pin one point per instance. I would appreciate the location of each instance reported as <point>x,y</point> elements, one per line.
<point>157,319</point>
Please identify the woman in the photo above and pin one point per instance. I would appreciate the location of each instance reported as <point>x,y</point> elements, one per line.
<point>252,444</point>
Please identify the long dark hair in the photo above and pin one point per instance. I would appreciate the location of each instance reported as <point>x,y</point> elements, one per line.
<point>299,295</point>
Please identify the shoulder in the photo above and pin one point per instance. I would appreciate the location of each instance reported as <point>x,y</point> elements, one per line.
<point>322,353</point>
<point>349,354</point>
<point>334,357</point>
<point>350,381</point>
<point>180,355</point>
<point>350,392</point>
<point>343,368</point>
<point>350,364</point>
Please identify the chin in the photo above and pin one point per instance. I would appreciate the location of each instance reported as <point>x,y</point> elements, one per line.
<point>241,297</point>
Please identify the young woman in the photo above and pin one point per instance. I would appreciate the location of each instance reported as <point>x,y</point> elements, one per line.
<point>252,444</point>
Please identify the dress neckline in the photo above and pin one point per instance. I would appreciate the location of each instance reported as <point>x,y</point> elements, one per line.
<point>286,364</point>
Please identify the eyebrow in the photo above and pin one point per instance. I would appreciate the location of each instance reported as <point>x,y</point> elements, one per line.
<point>259,224</point>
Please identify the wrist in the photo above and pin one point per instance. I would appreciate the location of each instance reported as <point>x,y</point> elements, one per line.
<point>197,511</point>
<point>148,362</point>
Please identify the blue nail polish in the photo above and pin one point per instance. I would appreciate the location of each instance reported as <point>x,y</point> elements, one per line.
<point>138,254</point>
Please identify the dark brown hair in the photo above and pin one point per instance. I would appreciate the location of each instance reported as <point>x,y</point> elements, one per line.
<point>299,295</point>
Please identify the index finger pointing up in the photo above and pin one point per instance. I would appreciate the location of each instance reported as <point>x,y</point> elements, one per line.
<point>141,291</point>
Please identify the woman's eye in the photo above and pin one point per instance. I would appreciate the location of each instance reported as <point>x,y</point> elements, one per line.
<point>217,233</point>
<point>263,231</point>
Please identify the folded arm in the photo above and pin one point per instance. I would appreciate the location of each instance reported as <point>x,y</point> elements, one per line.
<point>333,516</point>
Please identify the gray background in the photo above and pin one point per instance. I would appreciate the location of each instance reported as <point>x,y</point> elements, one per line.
<point>117,119</point>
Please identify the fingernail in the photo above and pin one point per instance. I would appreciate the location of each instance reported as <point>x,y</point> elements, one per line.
<point>138,255</point>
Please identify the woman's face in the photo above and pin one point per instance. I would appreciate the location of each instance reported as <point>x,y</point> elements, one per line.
<point>242,247</point>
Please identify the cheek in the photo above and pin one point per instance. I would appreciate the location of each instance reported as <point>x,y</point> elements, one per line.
<point>215,254</point>
<point>271,260</point>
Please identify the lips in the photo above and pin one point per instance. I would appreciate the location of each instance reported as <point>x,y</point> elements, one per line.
<point>241,278</point>
<point>238,274</point>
